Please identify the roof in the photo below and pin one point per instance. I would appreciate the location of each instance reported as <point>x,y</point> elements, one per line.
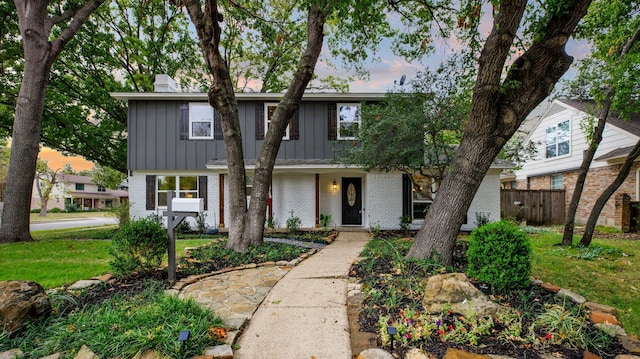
<point>318,163</point>
<point>631,125</point>
<point>618,153</point>
<point>77,179</point>
<point>249,96</point>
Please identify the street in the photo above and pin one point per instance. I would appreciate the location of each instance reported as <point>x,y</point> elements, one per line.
<point>86,222</point>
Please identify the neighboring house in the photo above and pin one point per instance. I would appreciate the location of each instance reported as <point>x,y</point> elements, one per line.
<point>175,143</point>
<point>82,192</point>
<point>561,143</point>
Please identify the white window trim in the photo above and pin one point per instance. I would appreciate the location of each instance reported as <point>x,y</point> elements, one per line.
<point>266,120</point>
<point>191,121</point>
<point>359,121</point>
<point>545,141</point>
<point>176,191</point>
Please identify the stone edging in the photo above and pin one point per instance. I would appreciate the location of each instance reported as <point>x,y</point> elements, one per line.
<point>179,285</point>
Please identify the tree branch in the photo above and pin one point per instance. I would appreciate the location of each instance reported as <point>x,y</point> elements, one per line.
<point>80,16</point>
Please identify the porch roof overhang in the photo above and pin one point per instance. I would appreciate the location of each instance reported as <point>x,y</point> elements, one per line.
<point>617,155</point>
<point>249,96</point>
<point>315,165</point>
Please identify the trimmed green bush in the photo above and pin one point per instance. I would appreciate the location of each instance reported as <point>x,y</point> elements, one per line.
<point>500,255</point>
<point>138,245</point>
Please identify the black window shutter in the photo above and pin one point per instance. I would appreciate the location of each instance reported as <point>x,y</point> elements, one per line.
<point>294,126</point>
<point>151,192</point>
<point>184,120</point>
<point>259,120</point>
<point>202,189</point>
<point>406,196</point>
<point>217,126</point>
<point>333,122</point>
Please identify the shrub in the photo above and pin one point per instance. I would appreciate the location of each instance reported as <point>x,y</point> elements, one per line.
<point>500,255</point>
<point>35,210</point>
<point>293,222</point>
<point>201,222</point>
<point>138,245</point>
<point>482,218</point>
<point>70,207</point>
<point>405,222</point>
<point>55,210</point>
<point>121,212</point>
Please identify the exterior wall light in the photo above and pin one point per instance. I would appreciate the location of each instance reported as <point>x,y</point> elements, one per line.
<point>335,185</point>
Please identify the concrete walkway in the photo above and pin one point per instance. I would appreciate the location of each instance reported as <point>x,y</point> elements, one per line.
<point>305,314</point>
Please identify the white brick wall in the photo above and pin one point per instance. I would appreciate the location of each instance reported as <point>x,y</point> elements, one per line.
<point>487,200</point>
<point>294,192</point>
<point>384,200</point>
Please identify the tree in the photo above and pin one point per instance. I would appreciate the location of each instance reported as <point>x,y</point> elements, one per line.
<point>36,25</point>
<point>107,177</point>
<point>421,127</point>
<point>498,107</point>
<point>46,179</point>
<point>614,29</point>
<point>119,49</point>
<point>359,22</point>
<point>68,170</point>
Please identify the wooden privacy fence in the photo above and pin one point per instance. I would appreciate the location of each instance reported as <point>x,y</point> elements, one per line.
<point>537,207</point>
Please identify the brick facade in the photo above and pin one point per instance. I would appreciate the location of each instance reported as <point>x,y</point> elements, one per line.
<point>597,180</point>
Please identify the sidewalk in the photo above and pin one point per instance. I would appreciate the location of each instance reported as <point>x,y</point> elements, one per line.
<point>305,314</point>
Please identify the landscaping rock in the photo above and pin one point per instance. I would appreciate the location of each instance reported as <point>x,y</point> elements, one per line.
<point>589,355</point>
<point>456,290</point>
<point>627,356</point>
<point>21,301</point>
<point>630,344</point>
<point>375,353</point>
<point>220,351</point>
<point>574,297</point>
<point>103,278</point>
<point>452,353</point>
<point>52,356</point>
<point>604,318</point>
<point>85,283</point>
<point>596,307</point>
<point>151,354</point>
<point>416,353</point>
<point>610,329</point>
<point>11,354</point>
<point>86,353</point>
<point>550,287</point>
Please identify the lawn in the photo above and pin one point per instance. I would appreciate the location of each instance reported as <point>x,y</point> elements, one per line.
<point>61,257</point>
<point>64,216</point>
<point>608,272</point>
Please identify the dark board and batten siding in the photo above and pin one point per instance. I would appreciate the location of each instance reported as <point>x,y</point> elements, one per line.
<point>155,143</point>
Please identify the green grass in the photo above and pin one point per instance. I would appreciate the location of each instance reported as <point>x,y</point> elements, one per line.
<point>608,272</point>
<point>61,257</point>
<point>120,327</point>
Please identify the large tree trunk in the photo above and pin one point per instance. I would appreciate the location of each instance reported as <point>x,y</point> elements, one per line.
<point>608,192</point>
<point>246,227</point>
<point>567,237</point>
<point>497,110</point>
<point>39,54</point>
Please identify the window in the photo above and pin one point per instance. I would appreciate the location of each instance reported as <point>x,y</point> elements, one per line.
<point>423,194</point>
<point>348,121</point>
<point>200,121</point>
<point>269,109</point>
<point>79,186</point>
<point>556,182</point>
<point>184,187</point>
<point>558,140</point>
<point>101,188</point>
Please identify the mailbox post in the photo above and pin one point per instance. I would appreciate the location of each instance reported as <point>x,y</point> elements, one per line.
<point>177,210</point>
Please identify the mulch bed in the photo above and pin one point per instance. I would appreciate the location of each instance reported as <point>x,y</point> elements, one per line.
<point>535,299</point>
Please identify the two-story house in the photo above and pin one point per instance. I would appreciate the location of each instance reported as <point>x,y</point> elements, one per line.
<point>560,136</point>
<point>81,192</point>
<point>175,143</point>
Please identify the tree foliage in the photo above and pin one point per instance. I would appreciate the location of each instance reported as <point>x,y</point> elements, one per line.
<point>107,177</point>
<point>120,49</point>
<point>421,127</point>
<point>46,179</point>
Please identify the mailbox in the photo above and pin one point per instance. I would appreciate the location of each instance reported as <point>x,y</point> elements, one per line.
<point>187,205</point>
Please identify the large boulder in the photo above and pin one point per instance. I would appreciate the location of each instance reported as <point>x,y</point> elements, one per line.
<point>21,301</point>
<point>454,289</point>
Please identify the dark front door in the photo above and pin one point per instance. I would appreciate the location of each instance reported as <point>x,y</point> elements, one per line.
<point>352,200</point>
